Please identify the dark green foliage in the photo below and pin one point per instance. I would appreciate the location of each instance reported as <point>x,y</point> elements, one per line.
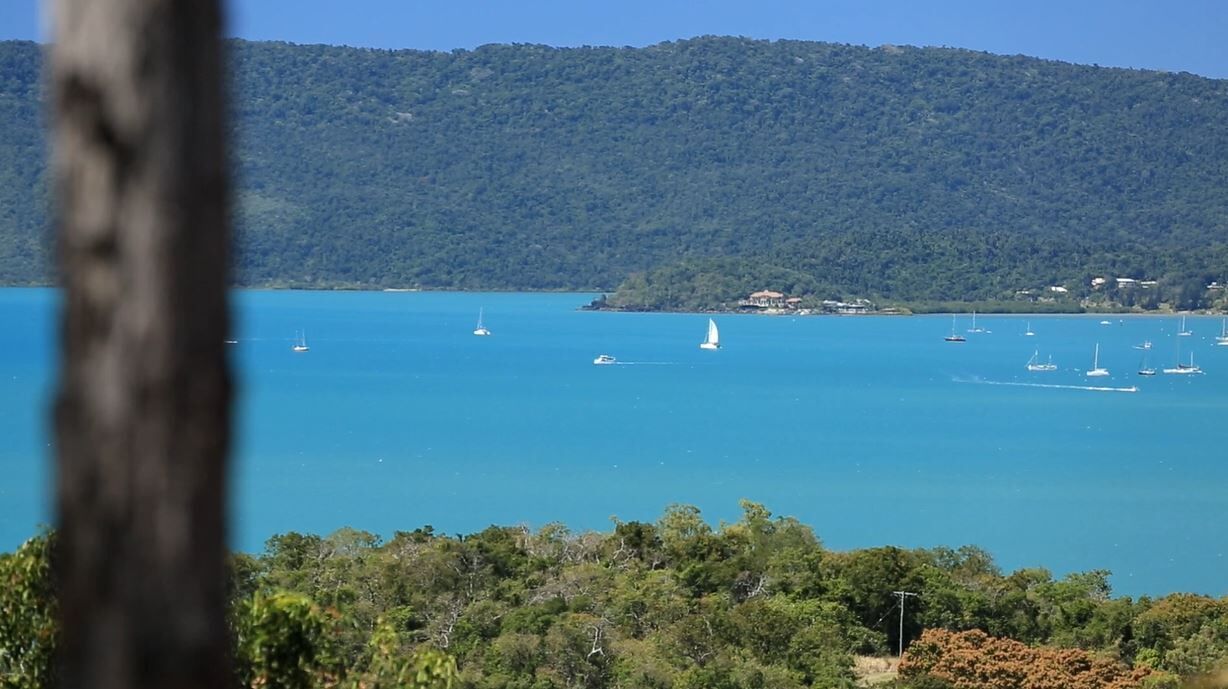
<point>896,173</point>
<point>281,642</point>
<point>683,603</point>
<point>680,603</point>
<point>27,616</point>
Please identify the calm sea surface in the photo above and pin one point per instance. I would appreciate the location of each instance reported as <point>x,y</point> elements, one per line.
<point>873,430</point>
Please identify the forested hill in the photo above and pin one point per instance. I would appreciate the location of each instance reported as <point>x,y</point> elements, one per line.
<point>899,172</point>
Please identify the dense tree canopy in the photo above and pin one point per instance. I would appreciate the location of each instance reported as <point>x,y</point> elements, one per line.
<point>895,172</point>
<point>676,603</point>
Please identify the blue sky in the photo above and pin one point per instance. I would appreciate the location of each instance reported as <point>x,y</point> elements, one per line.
<point>1175,35</point>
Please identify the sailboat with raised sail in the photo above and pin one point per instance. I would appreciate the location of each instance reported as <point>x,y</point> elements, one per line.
<point>953,337</point>
<point>1096,371</point>
<point>1183,332</point>
<point>300,342</point>
<point>1028,332</point>
<point>713,340</point>
<point>1221,340</point>
<point>481,329</point>
<point>1034,363</point>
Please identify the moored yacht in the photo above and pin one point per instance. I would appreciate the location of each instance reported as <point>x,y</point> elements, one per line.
<point>1096,371</point>
<point>1034,363</point>
<point>480,330</point>
<point>954,337</point>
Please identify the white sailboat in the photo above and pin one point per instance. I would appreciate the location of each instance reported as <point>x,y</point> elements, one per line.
<point>1183,332</point>
<point>975,329</point>
<point>481,329</point>
<point>1028,332</point>
<point>1183,369</point>
<point>300,342</point>
<point>1096,371</point>
<point>713,340</point>
<point>1221,340</point>
<point>1035,365</point>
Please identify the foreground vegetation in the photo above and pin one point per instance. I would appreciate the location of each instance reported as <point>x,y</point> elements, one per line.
<point>892,173</point>
<point>759,603</point>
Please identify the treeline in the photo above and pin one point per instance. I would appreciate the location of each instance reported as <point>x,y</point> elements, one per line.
<point>758,603</point>
<point>890,173</point>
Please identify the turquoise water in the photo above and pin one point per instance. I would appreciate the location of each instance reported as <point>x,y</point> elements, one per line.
<point>873,430</point>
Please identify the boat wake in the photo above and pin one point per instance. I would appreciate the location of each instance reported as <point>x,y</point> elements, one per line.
<point>1055,386</point>
<point>645,363</point>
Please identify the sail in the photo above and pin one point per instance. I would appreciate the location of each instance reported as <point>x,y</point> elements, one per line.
<point>714,336</point>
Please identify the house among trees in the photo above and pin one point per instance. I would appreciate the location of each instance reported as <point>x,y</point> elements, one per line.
<point>766,299</point>
<point>857,307</point>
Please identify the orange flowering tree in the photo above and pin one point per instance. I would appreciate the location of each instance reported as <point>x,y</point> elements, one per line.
<point>975,660</point>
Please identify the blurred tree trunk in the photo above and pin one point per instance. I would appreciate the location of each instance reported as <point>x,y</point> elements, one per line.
<point>142,415</point>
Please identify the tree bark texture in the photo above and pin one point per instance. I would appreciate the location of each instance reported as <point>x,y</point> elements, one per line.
<point>142,415</point>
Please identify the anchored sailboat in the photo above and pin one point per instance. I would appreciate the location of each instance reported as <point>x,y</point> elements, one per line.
<point>954,337</point>
<point>1144,369</point>
<point>1035,365</point>
<point>1183,332</point>
<point>1221,340</point>
<point>713,340</point>
<point>1183,369</point>
<point>975,329</point>
<point>1096,371</point>
<point>481,329</point>
<point>300,342</point>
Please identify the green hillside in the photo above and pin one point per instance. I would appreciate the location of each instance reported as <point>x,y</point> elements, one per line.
<point>895,172</point>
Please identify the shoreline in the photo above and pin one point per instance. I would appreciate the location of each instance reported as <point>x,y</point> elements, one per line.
<point>905,312</point>
<point>888,312</point>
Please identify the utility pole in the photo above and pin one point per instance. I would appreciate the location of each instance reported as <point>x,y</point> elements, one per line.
<point>903,597</point>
